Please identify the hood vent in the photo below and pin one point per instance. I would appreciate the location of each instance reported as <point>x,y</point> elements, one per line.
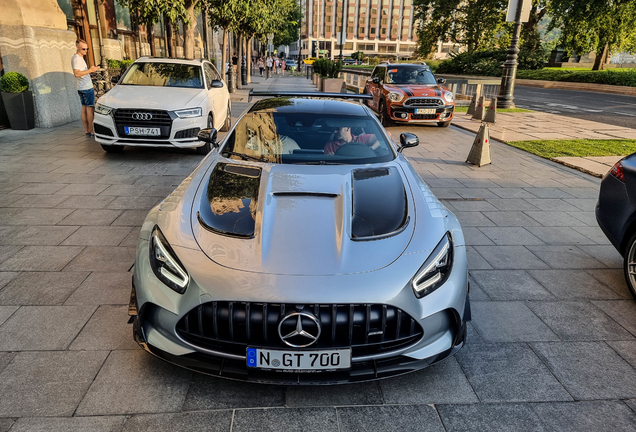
<point>379,204</point>
<point>232,196</point>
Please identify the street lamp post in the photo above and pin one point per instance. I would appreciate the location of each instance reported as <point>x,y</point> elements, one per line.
<point>342,31</point>
<point>507,87</point>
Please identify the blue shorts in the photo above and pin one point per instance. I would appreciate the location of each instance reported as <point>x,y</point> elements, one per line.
<point>87,97</point>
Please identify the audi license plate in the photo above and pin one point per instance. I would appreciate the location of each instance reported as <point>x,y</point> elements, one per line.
<point>299,360</point>
<point>425,111</point>
<point>142,131</point>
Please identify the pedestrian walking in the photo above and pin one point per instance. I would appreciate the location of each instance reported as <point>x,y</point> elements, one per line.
<point>84,85</point>
<point>282,66</point>
<point>269,64</point>
<point>277,65</point>
<point>260,65</point>
<point>234,62</point>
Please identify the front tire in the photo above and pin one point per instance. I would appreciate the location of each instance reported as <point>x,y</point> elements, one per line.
<point>444,124</point>
<point>112,148</point>
<point>228,119</point>
<point>629,265</point>
<point>384,116</point>
<point>205,148</point>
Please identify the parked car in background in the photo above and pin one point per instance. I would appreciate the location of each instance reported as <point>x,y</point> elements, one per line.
<point>163,102</point>
<point>616,214</point>
<point>291,65</point>
<point>409,93</point>
<point>304,250</point>
<point>349,61</point>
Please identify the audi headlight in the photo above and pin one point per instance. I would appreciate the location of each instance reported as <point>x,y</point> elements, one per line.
<point>396,96</point>
<point>165,264</point>
<point>187,113</point>
<point>449,96</point>
<point>103,109</point>
<point>435,269</point>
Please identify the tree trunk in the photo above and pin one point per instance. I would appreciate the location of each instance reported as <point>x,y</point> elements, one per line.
<point>169,37</point>
<point>601,57</point>
<point>151,39</point>
<point>224,48</point>
<point>239,69</point>
<point>249,59</point>
<point>189,25</point>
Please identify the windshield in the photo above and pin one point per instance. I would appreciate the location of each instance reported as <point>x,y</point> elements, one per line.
<point>307,138</point>
<point>409,75</point>
<point>163,75</point>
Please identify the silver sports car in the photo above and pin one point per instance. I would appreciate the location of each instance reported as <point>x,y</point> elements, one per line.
<point>304,249</point>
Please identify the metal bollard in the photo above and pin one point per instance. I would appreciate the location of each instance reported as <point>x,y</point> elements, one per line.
<point>230,81</point>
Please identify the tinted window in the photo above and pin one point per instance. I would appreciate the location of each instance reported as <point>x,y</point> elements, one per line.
<point>209,75</point>
<point>410,75</point>
<point>381,73</point>
<point>163,75</point>
<point>307,138</point>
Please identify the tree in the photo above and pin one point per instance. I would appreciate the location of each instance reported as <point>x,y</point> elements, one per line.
<point>530,37</point>
<point>473,23</point>
<point>290,30</point>
<point>174,10</point>
<point>595,25</point>
<point>359,55</point>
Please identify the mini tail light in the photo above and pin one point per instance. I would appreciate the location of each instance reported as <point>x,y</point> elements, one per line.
<point>617,171</point>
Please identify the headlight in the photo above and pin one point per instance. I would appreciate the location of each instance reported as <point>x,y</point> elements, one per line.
<point>396,96</point>
<point>165,264</point>
<point>187,113</point>
<point>435,269</point>
<point>103,109</point>
<point>449,96</point>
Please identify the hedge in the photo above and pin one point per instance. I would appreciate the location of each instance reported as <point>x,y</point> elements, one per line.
<point>118,64</point>
<point>488,63</point>
<point>611,77</point>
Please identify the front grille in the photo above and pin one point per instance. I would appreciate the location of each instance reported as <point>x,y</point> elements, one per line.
<point>423,102</point>
<point>102,130</point>
<point>188,133</point>
<point>160,119</point>
<point>423,116</point>
<point>230,327</point>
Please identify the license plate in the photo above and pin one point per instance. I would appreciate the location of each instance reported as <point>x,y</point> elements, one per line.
<point>425,111</point>
<point>299,360</point>
<point>142,131</point>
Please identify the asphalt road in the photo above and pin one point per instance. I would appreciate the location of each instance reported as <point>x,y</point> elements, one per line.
<point>606,108</point>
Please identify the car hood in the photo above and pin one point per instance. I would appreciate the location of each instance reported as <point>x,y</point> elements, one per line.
<point>303,220</point>
<point>163,98</point>
<point>418,90</point>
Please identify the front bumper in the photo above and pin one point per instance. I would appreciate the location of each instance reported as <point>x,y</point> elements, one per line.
<point>614,211</point>
<point>182,133</point>
<point>400,113</point>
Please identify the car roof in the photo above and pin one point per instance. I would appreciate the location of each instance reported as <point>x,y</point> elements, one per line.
<point>310,105</point>
<point>196,62</point>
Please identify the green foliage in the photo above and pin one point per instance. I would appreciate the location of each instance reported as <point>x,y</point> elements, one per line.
<point>359,56</point>
<point>374,61</point>
<point>610,76</point>
<point>488,63</point>
<point>474,23</point>
<point>118,64</point>
<point>290,30</point>
<point>326,68</point>
<point>595,25</point>
<point>14,82</point>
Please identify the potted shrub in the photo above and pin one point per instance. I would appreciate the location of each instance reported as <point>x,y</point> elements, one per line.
<point>331,83</point>
<point>18,100</point>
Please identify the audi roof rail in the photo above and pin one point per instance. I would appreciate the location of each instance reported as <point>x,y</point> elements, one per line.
<point>307,95</point>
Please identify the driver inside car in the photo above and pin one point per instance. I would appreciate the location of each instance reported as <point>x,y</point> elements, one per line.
<point>343,135</point>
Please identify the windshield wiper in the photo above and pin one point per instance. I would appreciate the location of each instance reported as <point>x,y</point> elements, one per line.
<point>246,156</point>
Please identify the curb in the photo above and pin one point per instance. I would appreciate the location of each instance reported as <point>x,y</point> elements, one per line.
<point>569,165</point>
<point>588,87</point>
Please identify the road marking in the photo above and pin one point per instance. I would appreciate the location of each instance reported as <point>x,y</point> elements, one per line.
<point>591,110</point>
<point>622,113</point>
<point>624,103</point>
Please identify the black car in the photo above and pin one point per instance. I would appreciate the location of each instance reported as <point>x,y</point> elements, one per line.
<point>616,213</point>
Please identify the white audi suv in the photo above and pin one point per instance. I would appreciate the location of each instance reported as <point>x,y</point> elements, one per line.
<point>162,102</point>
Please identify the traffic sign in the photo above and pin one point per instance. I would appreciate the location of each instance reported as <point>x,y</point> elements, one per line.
<point>525,5</point>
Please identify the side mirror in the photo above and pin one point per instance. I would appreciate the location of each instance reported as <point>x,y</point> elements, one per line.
<point>216,84</point>
<point>375,80</point>
<point>408,140</point>
<point>114,79</point>
<point>208,135</point>
<point>441,80</point>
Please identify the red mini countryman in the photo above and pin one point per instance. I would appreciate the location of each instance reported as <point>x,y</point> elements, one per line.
<point>409,93</point>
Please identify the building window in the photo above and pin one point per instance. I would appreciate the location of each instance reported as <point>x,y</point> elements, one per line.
<point>328,8</point>
<point>405,31</point>
<point>407,48</point>
<point>363,10</point>
<point>352,9</point>
<point>328,18</point>
<point>350,30</point>
<point>374,21</point>
<point>328,29</point>
<point>394,31</point>
<point>407,12</point>
<point>386,48</point>
<point>383,30</point>
<point>384,21</point>
<point>366,47</point>
<point>374,11</point>
<point>361,31</point>
<point>372,30</point>
<point>347,46</point>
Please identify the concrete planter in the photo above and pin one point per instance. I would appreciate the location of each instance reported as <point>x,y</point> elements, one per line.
<point>20,110</point>
<point>334,85</point>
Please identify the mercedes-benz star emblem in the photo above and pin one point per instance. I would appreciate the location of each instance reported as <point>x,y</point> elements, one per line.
<point>299,334</point>
<point>141,116</point>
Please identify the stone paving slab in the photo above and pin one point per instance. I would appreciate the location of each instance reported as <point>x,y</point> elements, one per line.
<point>559,265</point>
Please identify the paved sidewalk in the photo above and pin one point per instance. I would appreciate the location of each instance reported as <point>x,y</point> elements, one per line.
<point>551,347</point>
<point>546,126</point>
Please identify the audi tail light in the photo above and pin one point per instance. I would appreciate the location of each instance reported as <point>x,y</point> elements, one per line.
<point>617,171</point>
